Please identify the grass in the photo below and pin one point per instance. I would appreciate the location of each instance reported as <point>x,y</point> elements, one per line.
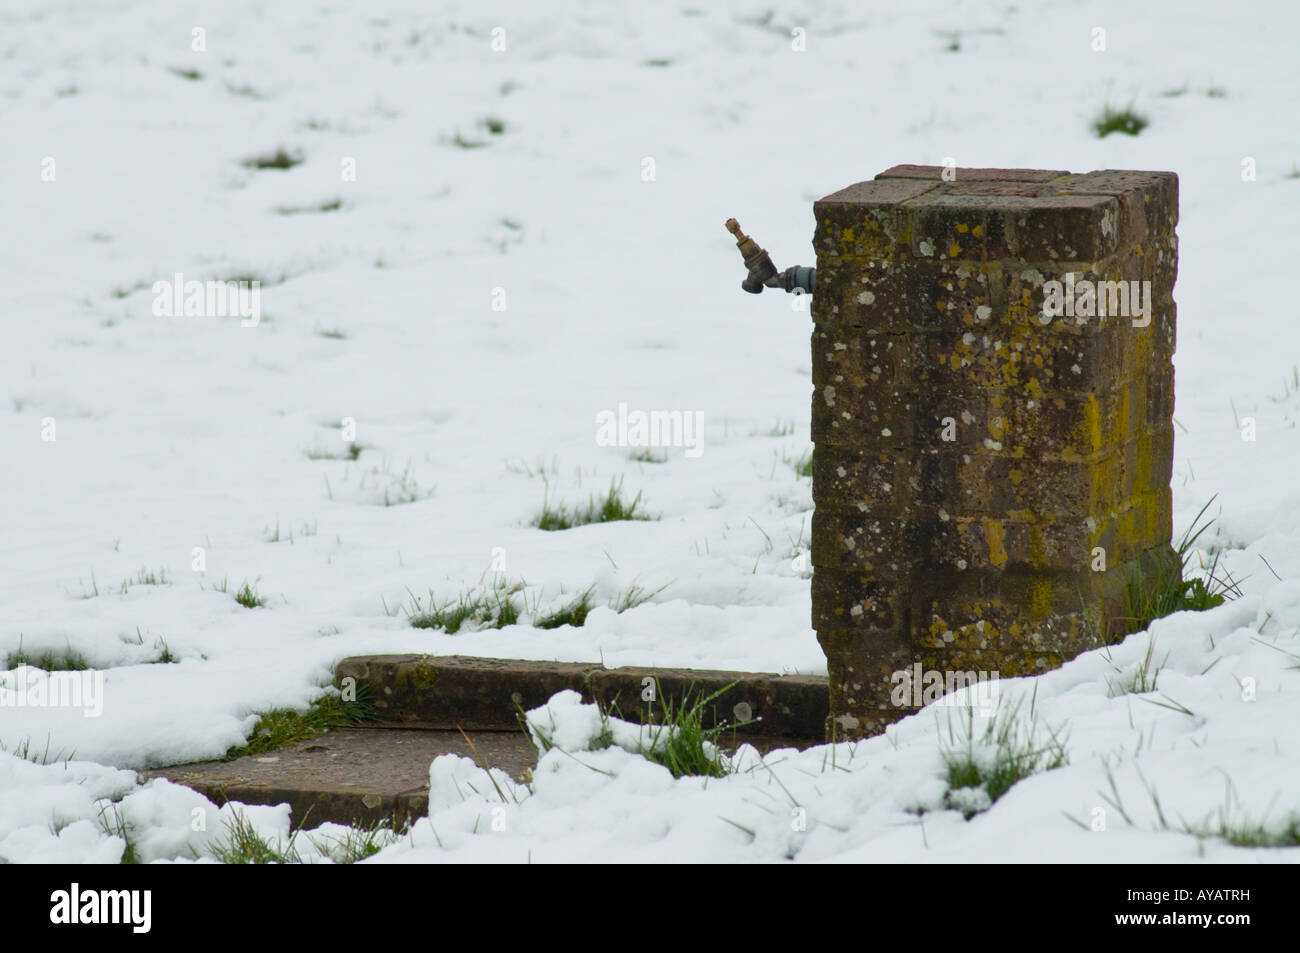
<point>94,588</point>
<point>1291,385</point>
<point>307,529</point>
<point>493,125</point>
<point>280,159</point>
<point>803,465</point>
<point>1252,833</point>
<point>493,607</point>
<point>190,74</point>
<point>460,142</point>
<point>26,752</point>
<point>390,488</point>
<point>334,334</point>
<point>279,727</point>
<point>539,469</point>
<point>1118,120</point>
<point>648,456</point>
<point>144,577</point>
<point>351,452</point>
<point>613,508</point>
<point>681,743</point>
<point>1172,591</point>
<point>994,760</point>
<point>248,597</point>
<point>359,843</point>
<point>245,90</point>
<point>243,845</point>
<point>574,613</point>
<point>634,596</point>
<point>116,826</point>
<point>50,660</point>
<point>1242,832</point>
<point>1144,677</point>
<point>678,740</point>
<point>333,205</point>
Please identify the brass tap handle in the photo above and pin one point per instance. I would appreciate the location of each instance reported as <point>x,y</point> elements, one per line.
<point>757,261</point>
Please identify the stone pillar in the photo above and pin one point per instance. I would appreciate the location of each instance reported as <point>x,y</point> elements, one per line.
<point>992,459</point>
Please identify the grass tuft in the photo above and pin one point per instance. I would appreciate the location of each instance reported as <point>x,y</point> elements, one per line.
<point>612,508</point>
<point>980,767</point>
<point>351,452</point>
<point>634,596</point>
<point>648,456</point>
<point>1172,591</point>
<point>279,727</point>
<point>1252,833</point>
<point>1144,676</point>
<point>26,752</point>
<point>681,743</point>
<point>358,843</point>
<point>248,597</point>
<point>50,660</point>
<point>244,845</point>
<point>114,825</point>
<point>333,205</point>
<point>574,613</point>
<point>493,607</point>
<point>677,740</point>
<point>1118,120</point>
<point>280,159</point>
<point>145,577</point>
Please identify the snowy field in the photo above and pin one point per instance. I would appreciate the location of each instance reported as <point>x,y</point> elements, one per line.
<point>475,253</point>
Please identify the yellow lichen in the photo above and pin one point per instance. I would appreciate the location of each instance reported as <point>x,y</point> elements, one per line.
<point>995,534</point>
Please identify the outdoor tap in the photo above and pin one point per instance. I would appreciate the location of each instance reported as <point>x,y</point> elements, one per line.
<point>796,279</point>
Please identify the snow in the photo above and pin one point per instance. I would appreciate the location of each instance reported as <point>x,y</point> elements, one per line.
<point>177,434</point>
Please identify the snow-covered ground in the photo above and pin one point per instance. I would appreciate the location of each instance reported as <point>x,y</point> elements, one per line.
<point>492,294</point>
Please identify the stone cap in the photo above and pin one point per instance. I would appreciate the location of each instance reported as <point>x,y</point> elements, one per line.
<point>913,211</point>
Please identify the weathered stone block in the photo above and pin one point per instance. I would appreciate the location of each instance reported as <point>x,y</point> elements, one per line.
<point>992,419</point>
<point>866,220</point>
<point>847,477</point>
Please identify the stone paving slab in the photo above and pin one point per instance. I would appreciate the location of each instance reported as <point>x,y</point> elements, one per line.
<point>363,775</point>
<point>482,694</point>
<point>348,775</point>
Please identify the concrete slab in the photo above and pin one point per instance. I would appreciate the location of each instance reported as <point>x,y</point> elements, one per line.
<point>363,775</point>
<point>427,691</point>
